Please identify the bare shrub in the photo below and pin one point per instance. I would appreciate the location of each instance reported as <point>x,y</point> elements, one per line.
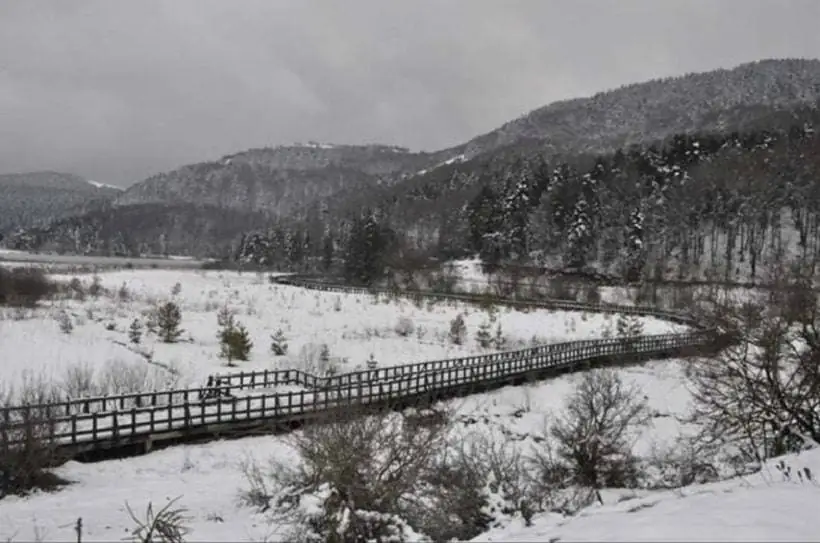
<point>123,294</point>
<point>168,525</point>
<point>96,289</point>
<point>121,377</point>
<point>480,480</point>
<point>385,477</point>
<point>561,289</point>
<point>593,439</point>
<point>78,381</point>
<point>684,463</point>
<point>27,444</point>
<point>64,322</point>
<point>592,294</point>
<point>76,289</point>
<point>24,286</point>
<point>315,358</point>
<point>404,326</point>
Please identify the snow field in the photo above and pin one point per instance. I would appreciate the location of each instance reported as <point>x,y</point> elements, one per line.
<point>353,326</point>
<point>208,477</point>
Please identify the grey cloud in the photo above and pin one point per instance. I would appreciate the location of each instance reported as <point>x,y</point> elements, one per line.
<point>116,91</point>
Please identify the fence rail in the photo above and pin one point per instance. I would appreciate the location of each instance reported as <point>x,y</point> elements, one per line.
<point>112,421</point>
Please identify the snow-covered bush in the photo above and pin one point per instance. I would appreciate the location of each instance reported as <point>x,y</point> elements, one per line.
<point>404,326</point>
<point>383,477</point>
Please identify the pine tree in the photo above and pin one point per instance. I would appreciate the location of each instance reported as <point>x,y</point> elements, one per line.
<point>235,343</point>
<point>369,243</point>
<point>234,340</point>
<point>500,341</point>
<point>279,344</point>
<point>324,354</point>
<point>458,330</point>
<point>135,332</point>
<point>483,336</point>
<point>169,318</point>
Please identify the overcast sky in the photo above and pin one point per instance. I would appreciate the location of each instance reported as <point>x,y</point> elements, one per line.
<point>116,91</point>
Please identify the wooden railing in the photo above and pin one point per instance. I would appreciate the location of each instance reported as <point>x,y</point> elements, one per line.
<point>113,421</point>
<point>243,380</point>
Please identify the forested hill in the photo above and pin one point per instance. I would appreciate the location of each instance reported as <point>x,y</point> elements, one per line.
<point>646,112</point>
<point>556,186</point>
<point>37,198</point>
<point>694,206</point>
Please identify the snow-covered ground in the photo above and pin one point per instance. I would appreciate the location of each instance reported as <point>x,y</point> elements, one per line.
<point>208,478</point>
<point>353,326</point>
<point>767,506</point>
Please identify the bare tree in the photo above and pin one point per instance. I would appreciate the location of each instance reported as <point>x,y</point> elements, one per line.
<point>761,395</point>
<point>590,445</point>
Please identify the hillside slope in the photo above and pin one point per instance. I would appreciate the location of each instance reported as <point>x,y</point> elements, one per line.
<point>37,198</point>
<point>645,112</point>
<point>771,505</point>
<point>277,180</point>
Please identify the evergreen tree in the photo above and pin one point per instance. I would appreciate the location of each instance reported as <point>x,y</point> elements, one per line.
<point>135,332</point>
<point>235,343</point>
<point>458,330</point>
<point>483,336</point>
<point>234,340</point>
<point>279,344</point>
<point>369,245</point>
<point>500,341</point>
<point>169,318</point>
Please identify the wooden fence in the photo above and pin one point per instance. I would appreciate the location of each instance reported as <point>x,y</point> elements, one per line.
<point>111,422</point>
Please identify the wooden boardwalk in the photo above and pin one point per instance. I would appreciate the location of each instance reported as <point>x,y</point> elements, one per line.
<point>269,400</point>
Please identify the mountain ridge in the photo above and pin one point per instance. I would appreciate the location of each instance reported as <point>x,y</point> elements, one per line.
<point>288,181</point>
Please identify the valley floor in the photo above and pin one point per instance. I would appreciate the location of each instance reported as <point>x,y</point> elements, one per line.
<point>208,478</point>
<point>354,327</point>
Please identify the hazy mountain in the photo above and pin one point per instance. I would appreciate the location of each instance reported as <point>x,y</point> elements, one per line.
<point>278,180</point>
<point>36,198</point>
